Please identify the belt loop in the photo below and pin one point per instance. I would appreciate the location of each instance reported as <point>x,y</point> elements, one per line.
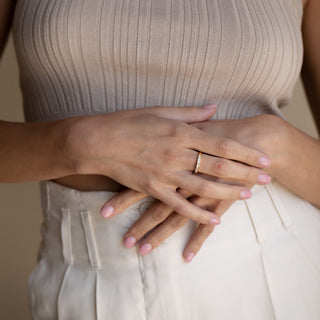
<point>90,240</point>
<point>66,236</point>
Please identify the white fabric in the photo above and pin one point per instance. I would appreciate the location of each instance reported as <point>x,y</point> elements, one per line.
<point>261,263</point>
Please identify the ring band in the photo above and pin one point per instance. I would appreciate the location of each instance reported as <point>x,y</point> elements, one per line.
<point>196,169</point>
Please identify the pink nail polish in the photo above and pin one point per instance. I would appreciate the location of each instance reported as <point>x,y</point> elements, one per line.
<point>214,221</point>
<point>245,194</point>
<point>264,179</point>
<point>107,211</point>
<point>145,249</point>
<point>210,106</point>
<point>189,257</point>
<point>130,242</point>
<point>264,162</point>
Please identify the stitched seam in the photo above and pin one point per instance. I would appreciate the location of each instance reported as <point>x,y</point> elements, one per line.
<point>143,280</point>
<point>284,224</point>
<point>252,223</point>
<point>61,289</point>
<point>96,296</point>
<point>267,284</point>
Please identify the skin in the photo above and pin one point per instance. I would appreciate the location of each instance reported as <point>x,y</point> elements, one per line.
<point>272,135</point>
<point>150,150</point>
<point>93,160</point>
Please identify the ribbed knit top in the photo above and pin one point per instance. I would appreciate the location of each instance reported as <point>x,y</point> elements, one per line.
<point>81,57</point>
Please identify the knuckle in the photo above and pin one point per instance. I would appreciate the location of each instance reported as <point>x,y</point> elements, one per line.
<point>220,168</point>
<point>196,244</point>
<point>159,214</point>
<point>250,176</point>
<point>224,147</point>
<point>179,208</point>
<point>170,155</point>
<point>176,131</point>
<point>202,189</point>
<point>251,156</point>
<point>177,222</point>
<point>119,202</point>
<point>151,186</point>
<point>205,231</point>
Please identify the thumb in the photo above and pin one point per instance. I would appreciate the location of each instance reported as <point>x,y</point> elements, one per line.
<point>185,114</point>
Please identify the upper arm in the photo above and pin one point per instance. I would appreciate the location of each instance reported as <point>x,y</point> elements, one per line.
<point>311,62</point>
<point>6,14</point>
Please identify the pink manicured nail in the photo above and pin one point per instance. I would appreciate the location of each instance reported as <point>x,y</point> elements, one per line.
<point>107,211</point>
<point>130,242</point>
<point>189,257</point>
<point>264,162</point>
<point>145,248</point>
<point>264,179</point>
<point>215,221</point>
<point>245,194</point>
<point>210,106</point>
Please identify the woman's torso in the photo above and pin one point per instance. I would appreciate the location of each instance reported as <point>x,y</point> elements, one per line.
<point>98,56</point>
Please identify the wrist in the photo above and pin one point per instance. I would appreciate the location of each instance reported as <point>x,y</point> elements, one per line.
<point>276,143</point>
<point>269,134</point>
<point>62,134</point>
<point>82,144</point>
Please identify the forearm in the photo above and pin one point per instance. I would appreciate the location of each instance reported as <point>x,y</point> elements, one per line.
<point>297,163</point>
<point>35,151</point>
<point>295,156</point>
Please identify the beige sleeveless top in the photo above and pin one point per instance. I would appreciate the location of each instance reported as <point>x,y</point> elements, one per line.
<point>82,57</point>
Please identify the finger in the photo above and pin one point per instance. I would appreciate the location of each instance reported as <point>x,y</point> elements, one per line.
<point>228,149</point>
<point>151,218</point>
<point>221,168</point>
<point>120,202</point>
<point>163,232</point>
<point>182,206</point>
<point>173,223</point>
<point>211,189</point>
<point>196,241</point>
<point>185,114</point>
<point>231,170</point>
<point>203,232</point>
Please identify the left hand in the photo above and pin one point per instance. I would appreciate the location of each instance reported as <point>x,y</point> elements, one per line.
<point>163,222</point>
<point>248,131</point>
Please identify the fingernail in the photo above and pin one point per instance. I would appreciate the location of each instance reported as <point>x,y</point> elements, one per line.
<point>130,242</point>
<point>264,162</point>
<point>145,248</point>
<point>264,179</point>
<point>210,106</point>
<point>189,257</point>
<point>245,194</point>
<point>107,211</point>
<point>215,221</point>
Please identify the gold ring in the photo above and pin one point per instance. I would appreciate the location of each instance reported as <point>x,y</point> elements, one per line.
<point>196,169</point>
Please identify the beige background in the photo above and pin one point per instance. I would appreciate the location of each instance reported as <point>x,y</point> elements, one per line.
<point>19,203</point>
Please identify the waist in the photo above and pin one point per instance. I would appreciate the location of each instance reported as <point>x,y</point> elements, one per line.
<point>90,183</point>
<point>74,230</point>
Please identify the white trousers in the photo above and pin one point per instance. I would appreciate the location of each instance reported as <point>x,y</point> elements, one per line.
<point>261,263</point>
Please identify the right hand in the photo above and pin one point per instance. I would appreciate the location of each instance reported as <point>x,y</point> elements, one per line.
<point>154,151</point>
